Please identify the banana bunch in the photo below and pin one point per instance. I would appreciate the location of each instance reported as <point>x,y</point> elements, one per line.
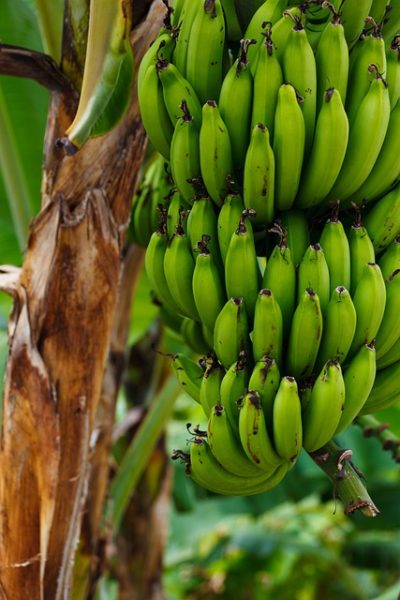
<point>268,139</point>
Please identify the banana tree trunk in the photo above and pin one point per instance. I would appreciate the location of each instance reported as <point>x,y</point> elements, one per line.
<point>60,329</point>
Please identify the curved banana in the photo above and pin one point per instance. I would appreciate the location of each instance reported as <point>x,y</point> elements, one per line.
<point>314,273</point>
<point>389,331</point>
<point>267,331</point>
<point>202,221</point>
<point>305,336</point>
<point>282,28</point>
<point>325,406</point>
<point>298,238</point>
<point>154,263</point>
<point>189,375</point>
<point>389,261</point>
<point>385,391</point>
<point>339,328</point>
<point>233,388</point>
<point>228,220</point>
<point>187,15</point>
<point>210,385</point>
<point>392,356</point>
<point>192,335</point>
<point>162,47</point>
<point>169,318</point>
<point>140,226</point>
<point>359,378</point>
<point>259,176</point>
<point>288,146</point>
<point>269,11</point>
<point>336,248</point>
<point>287,422</point>
<point>233,27</point>
<point>231,332</point>
<point>327,152</point>
<point>393,71</point>
<point>354,13</point>
<point>369,301</point>
<point>177,212</point>
<point>184,154</point>
<point>177,89</point>
<point>215,153</point>
<point>254,434</point>
<point>361,251</point>
<point>265,380</point>
<point>383,220</point>
<point>392,27</point>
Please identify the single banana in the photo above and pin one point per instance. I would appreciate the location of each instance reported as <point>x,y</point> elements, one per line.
<point>242,273</point>
<point>228,219</point>
<point>178,210</point>
<point>179,280</point>
<point>365,141</point>
<point>298,238</point>
<point>361,251</point>
<point>187,15</point>
<point>282,28</point>
<point>324,410</point>
<point>265,380</point>
<point>354,13</point>
<point>184,154</point>
<point>386,170</point>
<point>215,153</point>
<point>287,422</point>
<point>392,356</point>
<point>141,219</point>
<point>389,261</point>
<point>254,434</point>
<point>392,27</point>
<point>233,387</point>
<point>327,152</point>
<point>232,23</point>
<point>389,331</point>
<point>177,89</point>
<point>383,220</point>
<point>192,334</point>
<point>268,78</point>
<point>202,221</point>
<point>339,328</point>
<point>369,301</point>
<point>238,84</point>
<point>189,375</point>
<point>378,10</point>
<point>169,318</point>
<point>359,378</point>
<point>299,69</point>
<point>225,446</point>
<point>268,331</point>
<point>288,146</point>
<point>163,47</point>
<point>231,332</point>
<point>385,391</point>
<point>305,336</point>
<point>259,176</point>
<point>269,11</point>
<point>314,273</point>
<point>208,286</point>
<point>336,248</point>
<point>154,263</point>
<point>210,385</point>
<point>205,50</point>
<point>332,59</point>
<point>393,71</point>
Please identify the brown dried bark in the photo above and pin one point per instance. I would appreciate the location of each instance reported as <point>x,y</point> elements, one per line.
<point>64,303</point>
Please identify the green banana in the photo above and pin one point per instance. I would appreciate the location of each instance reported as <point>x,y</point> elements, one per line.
<point>359,378</point>
<point>178,6</point>
<point>154,263</point>
<point>288,146</point>
<point>231,332</point>
<point>233,387</point>
<point>154,113</point>
<point>186,17</point>
<point>385,391</point>
<point>202,221</point>
<point>168,317</point>
<point>393,71</point>
<point>327,152</point>
<point>177,212</point>
<point>378,10</point>
<point>162,47</point>
<point>192,335</point>
<point>386,170</point>
<point>337,253</point>
<point>389,331</point>
<point>287,422</point>
<point>392,28</point>
<point>354,13</point>
<point>324,410</point>
<point>269,11</point>
<point>298,238</point>
<point>225,446</point>
<point>383,220</point>
<point>305,336</point>
<point>300,71</point>
<point>215,152</point>
<point>238,84</point>
<point>369,301</point>
<point>332,59</point>
<point>205,470</point>
<point>268,331</point>
<point>282,28</point>
<point>280,277</point>
<point>314,273</point>
<point>361,251</point>
<point>208,287</point>
<point>265,379</point>
<point>242,273</point>
<point>179,281</point>
<point>205,50</point>
<point>389,261</point>
<point>339,328</point>
<point>184,154</point>
<point>228,220</point>
<point>232,23</point>
<point>268,78</point>
<point>392,356</point>
<point>141,221</point>
<point>259,176</point>
<point>254,434</point>
<point>210,385</point>
<point>365,142</point>
<point>177,89</point>
<point>189,375</point>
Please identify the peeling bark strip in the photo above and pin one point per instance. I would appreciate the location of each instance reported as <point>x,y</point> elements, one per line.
<point>61,327</point>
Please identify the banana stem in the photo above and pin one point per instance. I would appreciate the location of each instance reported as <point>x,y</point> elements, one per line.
<point>346,479</point>
<point>372,427</point>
